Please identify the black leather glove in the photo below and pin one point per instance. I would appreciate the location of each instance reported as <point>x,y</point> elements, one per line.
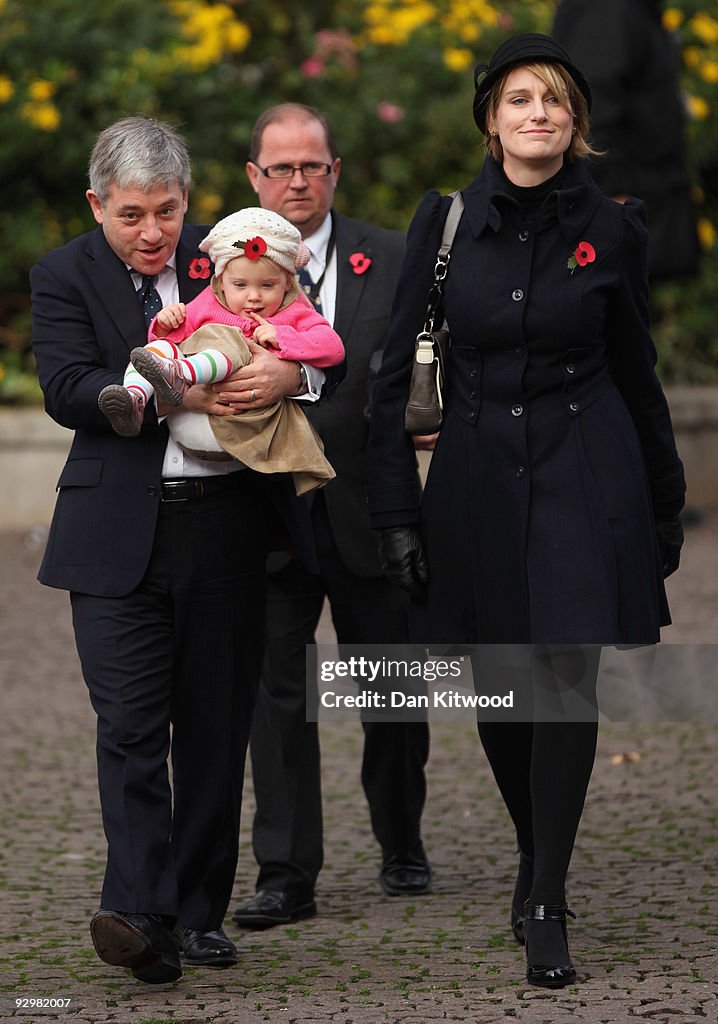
<point>402,558</point>
<point>670,542</point>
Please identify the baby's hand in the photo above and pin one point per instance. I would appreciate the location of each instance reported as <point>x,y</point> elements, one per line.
<point>265,334</point>
<point>170,317</point>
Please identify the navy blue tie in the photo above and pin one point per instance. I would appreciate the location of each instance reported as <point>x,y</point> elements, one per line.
<point>310,287</point>
<point>149,298</point>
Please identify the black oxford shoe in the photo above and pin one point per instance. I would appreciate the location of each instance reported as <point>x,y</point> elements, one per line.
<point>405,878</point>
<point>273,906</point>
<point>142,942</point>
<point>206,949</point>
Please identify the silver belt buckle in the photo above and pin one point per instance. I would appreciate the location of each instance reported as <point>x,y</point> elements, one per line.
<point>168,486</point>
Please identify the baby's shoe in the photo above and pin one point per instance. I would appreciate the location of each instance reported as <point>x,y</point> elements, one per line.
<point>124,408</point>
<point>164,374</point>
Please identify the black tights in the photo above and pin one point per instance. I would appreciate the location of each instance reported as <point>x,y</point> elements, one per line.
<point>543,767</point>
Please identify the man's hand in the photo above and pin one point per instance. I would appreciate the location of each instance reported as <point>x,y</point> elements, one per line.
<point>261,383</point>
<point>401,555</point>
<point>200,398</point>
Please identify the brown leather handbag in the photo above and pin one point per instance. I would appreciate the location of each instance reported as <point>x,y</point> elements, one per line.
<point>424,413</point>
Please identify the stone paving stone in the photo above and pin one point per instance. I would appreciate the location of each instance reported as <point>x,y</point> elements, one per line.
<point>642,882</point>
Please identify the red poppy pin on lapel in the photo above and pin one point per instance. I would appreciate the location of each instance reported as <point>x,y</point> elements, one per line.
<point>360,262</point>
<point>199,268</point>
<point>584,253</point>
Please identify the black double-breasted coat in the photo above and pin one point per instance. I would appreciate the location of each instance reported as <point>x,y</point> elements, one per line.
<point>557,453</point>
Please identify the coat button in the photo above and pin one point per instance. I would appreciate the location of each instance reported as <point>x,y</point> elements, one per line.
<point>570,368</point>
<point>517,295</point>
<point>520,472</point>
<point>473,394</point>
<point>517,410</point>
<point>472,414</point>
<point>474,372</point>
<point>518,353</point>
<point>573,406</point>
<point>523,236</point>
<point>152,491</point>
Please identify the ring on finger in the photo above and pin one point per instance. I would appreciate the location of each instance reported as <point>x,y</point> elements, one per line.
<point>252,395</point>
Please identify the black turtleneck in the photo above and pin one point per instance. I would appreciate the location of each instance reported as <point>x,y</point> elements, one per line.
<point>530,198</point>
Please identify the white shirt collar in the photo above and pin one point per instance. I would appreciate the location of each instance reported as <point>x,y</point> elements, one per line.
<point>318,241</point>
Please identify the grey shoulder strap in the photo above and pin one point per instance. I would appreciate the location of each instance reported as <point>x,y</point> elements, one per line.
<point>452,222</point>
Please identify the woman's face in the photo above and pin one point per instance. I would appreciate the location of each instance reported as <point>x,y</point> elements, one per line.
<point>534,126</point>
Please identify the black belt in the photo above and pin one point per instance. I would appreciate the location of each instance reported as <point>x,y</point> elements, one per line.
<point>195,488</point>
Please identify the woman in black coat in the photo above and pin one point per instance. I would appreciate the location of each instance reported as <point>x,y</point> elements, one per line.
<point>551,510</point>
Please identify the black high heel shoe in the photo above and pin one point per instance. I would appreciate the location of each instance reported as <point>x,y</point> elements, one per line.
<point>524,880</point>
<point>549,975</point>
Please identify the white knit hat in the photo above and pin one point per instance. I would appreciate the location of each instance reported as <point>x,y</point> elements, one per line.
<point>254,232</point>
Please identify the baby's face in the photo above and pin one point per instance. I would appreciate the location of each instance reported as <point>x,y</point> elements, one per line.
<point>254,286</point>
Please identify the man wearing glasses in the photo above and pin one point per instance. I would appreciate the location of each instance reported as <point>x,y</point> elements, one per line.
<point>294,168</point>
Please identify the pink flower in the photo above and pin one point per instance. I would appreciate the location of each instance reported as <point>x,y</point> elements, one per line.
<point>312,68</point>
<point>390,113</point>
<point>199,268</point>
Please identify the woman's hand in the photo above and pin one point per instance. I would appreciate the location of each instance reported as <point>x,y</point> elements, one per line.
<point>401,555</point>
<point>425,442</point>
<point>670,542</point>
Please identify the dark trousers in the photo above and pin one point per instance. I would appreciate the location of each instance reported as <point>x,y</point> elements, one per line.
<point>287,834</point>
<point>182,652</point>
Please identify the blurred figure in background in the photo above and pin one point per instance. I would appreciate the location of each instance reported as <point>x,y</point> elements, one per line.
<point>638,119</point>
<point>294,168</point>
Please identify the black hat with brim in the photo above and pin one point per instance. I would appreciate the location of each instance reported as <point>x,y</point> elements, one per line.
<point>529,48</point>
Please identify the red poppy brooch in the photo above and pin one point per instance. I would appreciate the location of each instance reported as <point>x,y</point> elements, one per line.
<point>199,268</point>
<point>360,262</point>
<point>583,253</point>
<point>254,248</point>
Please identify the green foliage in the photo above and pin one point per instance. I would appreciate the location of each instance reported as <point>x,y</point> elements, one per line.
<point>394,76</point>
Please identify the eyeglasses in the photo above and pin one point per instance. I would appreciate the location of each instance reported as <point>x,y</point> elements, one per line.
<point>310,170</point>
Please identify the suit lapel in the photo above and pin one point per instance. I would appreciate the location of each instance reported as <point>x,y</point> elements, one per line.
<point>114,289</point>
<point>350,285</point>
<point>190,285</point>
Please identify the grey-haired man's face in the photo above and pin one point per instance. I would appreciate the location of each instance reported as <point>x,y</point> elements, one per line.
<point>143,228</point>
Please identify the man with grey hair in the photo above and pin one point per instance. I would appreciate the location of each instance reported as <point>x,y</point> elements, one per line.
<point>164,557</point>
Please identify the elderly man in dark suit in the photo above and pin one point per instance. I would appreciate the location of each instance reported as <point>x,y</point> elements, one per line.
<point>294,168</point>
<point>167,603</point>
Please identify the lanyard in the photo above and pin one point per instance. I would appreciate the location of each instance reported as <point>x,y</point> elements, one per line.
<point>313,292</point>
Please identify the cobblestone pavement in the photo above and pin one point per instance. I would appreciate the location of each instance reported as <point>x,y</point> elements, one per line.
<point>643,879</point>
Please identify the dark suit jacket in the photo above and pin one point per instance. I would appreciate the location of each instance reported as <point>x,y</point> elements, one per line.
<point>86,321</point>
<point>363,305</point>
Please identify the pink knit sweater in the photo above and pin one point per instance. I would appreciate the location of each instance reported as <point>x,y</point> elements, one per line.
<point>302,333</point>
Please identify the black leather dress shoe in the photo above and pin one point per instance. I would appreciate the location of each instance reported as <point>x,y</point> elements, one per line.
<point>271,907</point>
<point>405,878</point>
<point>206,949</point>
<point>142,942</point>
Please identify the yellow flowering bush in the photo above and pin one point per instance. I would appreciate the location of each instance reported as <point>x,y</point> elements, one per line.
<point>394,76</point>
